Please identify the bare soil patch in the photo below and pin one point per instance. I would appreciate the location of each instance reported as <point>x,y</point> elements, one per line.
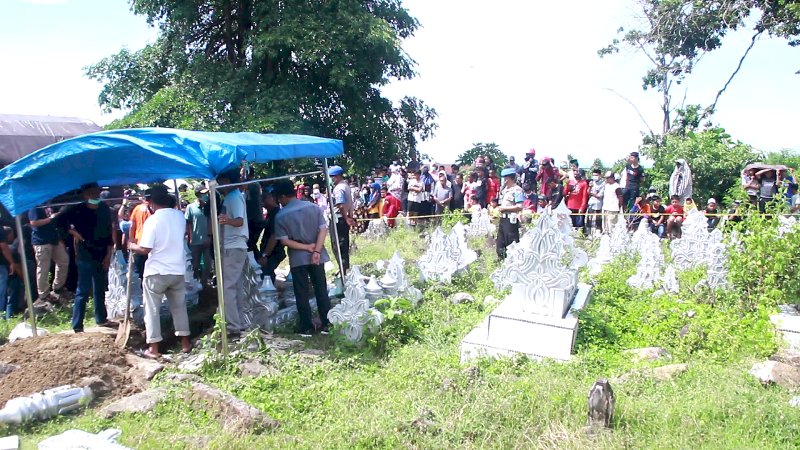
<point>59,359</point>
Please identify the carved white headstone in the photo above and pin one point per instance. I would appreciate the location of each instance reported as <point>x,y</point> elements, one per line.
<point>354,313</point>
<point>376,229</point>
<point>564,220</point>
<point>539,277</point>
<point>481,224</point>
<point>647,271</point>
<point>690,249</point>
<point>619,238</point>
<point>435,264</point>
<point>786,224</point>
<point>670,280</point>
<point>446,255</point>
<point>602,257</point>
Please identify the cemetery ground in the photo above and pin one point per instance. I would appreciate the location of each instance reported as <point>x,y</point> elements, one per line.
<point>406,388</point>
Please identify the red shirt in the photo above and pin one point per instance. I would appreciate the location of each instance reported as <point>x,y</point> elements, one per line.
<point>492,189</point>
<point>674,210</point>
<point>578,195</point>
<point>391,208</point>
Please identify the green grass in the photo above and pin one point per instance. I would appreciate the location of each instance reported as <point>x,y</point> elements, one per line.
<point>369,396</point>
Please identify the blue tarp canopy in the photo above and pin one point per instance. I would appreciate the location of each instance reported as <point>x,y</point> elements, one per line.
<point>143,155</point>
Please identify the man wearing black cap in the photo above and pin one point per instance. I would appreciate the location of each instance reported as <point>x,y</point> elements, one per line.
<point>343,202</point>
<point>162,241</point>
<point>91,227</point>
<point>234,245</point>
<point>633,177</point>
<point>511,199</point>
<point>301,227</point>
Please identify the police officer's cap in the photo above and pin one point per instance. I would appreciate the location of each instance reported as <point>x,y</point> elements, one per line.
<point>335,170</point>
<point>509,172</point>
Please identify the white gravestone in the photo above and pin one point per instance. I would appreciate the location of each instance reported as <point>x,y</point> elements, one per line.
<point>537,319</point>
<point>376,229</point>
<point>354,314</point>
<point>481,224</point>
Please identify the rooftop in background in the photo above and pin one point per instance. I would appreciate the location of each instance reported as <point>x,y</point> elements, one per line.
<point>21,135</point>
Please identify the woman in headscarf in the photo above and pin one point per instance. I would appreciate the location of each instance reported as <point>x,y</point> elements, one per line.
<point>680,182</point>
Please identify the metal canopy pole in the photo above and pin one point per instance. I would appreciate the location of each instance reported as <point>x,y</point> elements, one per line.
<point>25,274</point>
<point>334,232</point>
<point>212,184</point>
<point>177,194</point>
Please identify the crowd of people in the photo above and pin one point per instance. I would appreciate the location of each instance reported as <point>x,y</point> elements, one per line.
<point>69,251</point>
<point>423,192</point>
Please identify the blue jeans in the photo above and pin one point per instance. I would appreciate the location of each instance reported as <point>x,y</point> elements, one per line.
<point>5,305</point>
<point>91,278</point>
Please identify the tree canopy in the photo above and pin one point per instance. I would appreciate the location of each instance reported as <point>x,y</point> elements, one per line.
<point>675,34</point>
<point>288,66</point>
<point>480,149</point>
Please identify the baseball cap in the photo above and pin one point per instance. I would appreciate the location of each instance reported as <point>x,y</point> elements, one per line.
<point>509,172</point>
<point>609,174</point>
<point>635,154</point>
<point>712,200</point>
<point>335,170</point>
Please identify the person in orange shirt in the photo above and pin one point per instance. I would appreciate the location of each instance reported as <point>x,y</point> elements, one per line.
<point>138,216</point>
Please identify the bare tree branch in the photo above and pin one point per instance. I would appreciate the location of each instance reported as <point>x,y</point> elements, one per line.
<point>634,107</point>
<point>710,110</point>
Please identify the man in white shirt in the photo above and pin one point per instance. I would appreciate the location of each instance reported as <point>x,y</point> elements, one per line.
<point>162,242</point>
<point>612,202</point>
<point>234,246</point>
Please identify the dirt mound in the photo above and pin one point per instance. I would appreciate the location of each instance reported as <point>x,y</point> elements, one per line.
<point>58,359</point>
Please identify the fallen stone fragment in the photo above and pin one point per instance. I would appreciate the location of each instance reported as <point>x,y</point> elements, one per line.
<point>462,297</point>
<point>6,369</point>
<point>253,369</point>
<point>100,387</point>
<point>649,354</point>
<point>148,368</point>
<point>663,373</point>
<point>788,356</point>
<point>181,377</point>
<point>774,372</point>
<point>193,364</point>
<point>142,402</point>
<point>234,414</point>
<point>795,402</point>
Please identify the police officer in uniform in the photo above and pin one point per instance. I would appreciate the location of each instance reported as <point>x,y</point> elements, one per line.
<point>511,198</point>
<point>343,202</point>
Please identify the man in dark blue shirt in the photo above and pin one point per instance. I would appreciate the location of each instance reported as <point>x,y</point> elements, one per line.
<point>91,226</point>
<point>48,248</point>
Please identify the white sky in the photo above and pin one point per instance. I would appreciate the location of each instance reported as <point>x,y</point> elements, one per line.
<point>520,73</point>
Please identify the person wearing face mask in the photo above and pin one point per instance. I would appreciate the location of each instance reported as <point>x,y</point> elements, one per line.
<point>92,229</point>
<point>319,199</point>
<point>197,236</point>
